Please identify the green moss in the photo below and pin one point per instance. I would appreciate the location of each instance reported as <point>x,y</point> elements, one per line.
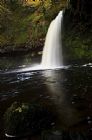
<point>26,119</point>
<point>77,39</point>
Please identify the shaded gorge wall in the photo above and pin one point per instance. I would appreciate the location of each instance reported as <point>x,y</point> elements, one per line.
<point>77,30</point>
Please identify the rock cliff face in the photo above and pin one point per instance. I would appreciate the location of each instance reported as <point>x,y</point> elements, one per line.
<point>78,29</point>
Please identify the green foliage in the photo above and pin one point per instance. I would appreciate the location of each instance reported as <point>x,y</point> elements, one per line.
<point>77,36</point>
<point>78,44</point>
<point>13,26</point>
<point>22,24</point>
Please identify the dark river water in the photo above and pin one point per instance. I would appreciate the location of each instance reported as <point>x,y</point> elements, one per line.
<point>66,91</point>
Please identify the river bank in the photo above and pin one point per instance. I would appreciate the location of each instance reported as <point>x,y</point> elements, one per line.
<point>21,49</point>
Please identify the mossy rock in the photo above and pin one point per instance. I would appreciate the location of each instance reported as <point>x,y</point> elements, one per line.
<point>23,119</point>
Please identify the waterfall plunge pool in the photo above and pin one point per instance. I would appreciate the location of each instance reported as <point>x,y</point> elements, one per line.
<point>67,91</point>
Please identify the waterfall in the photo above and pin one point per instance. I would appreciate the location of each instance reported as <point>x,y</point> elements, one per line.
<point>52,51</point>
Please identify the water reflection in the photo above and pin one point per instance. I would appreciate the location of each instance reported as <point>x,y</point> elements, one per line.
<point>66,113</point>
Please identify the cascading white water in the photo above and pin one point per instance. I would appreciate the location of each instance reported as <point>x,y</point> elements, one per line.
<point>52,52</point>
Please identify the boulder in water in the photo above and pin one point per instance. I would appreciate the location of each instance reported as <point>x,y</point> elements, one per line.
<point>23,119</point>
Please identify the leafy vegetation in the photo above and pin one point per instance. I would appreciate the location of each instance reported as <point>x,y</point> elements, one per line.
<point>25,24</point>
<point>77,37</point>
